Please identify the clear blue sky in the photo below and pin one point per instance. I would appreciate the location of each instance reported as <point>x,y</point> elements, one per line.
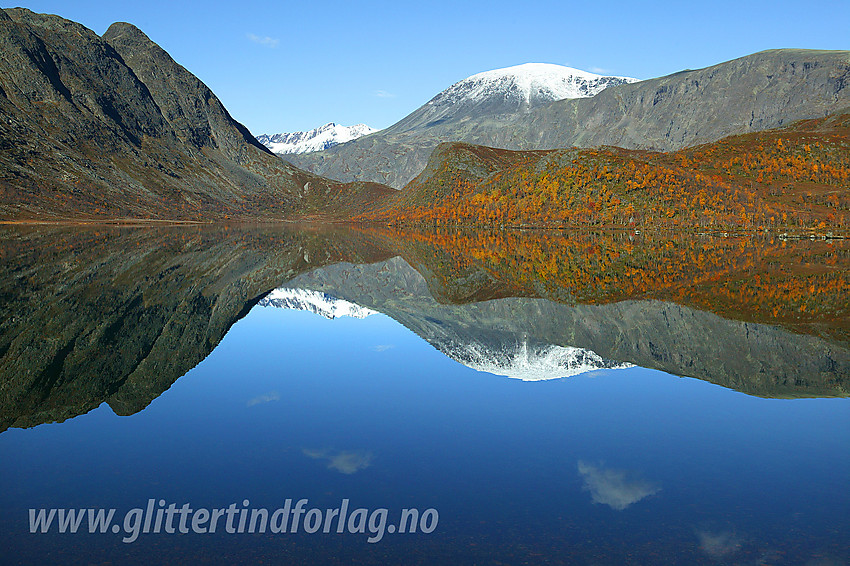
<point>286,66</point>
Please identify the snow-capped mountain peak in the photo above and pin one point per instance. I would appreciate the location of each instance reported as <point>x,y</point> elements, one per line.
<point>313,301</point>
<point>531,83</point>
<point>316,139</point>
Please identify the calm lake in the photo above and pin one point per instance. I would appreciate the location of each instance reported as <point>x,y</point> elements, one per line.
<point>513,398</point>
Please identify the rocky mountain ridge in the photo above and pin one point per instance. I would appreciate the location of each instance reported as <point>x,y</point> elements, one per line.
<point>764,90</point>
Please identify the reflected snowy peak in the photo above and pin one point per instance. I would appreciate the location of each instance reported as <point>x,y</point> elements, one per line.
<point>520,360</point>
<point>315,302</point>
<point>531,363</point>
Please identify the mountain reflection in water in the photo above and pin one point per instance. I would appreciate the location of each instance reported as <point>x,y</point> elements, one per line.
<point>116,315</point>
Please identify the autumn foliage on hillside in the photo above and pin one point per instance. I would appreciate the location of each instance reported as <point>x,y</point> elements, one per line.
<point>800,284</point>
<point>794,178</point>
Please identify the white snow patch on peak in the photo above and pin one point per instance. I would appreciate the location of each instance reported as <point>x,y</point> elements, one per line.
<point>317,139</point>
<point>535,73</point>
<point>534,364</point>
<point>532,81</point>
<point>315,302</point>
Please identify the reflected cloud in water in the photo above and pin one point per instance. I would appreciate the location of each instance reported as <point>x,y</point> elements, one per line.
<point>264,398</point>
<point>718,545</point>
<point>343,461</point>
<point>614,488</point>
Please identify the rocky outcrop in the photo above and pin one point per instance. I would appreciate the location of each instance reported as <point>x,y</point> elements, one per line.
<point>765,90</point>
<point>196,115</point>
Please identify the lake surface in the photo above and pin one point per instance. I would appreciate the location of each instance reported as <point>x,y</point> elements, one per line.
<point>534,415</point>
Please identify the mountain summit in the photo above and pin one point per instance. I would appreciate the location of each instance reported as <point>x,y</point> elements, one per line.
<point>506,92</point>
<point>315,302</point>
<point>531,84</point>
<point>317,139</point>
<point>469,109</point>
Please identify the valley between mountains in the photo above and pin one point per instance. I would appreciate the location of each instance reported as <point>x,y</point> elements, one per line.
<point>111,128</point>
<point>574,317</point>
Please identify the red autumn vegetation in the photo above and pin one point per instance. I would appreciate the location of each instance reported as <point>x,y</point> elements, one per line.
<point>794,178</point>
<point>800,284</point>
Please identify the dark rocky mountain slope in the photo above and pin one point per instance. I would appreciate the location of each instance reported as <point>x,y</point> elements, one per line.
<point>108,127</point>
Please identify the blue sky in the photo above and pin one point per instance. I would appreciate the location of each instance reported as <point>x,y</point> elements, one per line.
<point>285,66</point>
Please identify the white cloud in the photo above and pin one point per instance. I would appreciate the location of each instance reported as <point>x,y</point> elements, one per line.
<point>384,94</point>
<point>613,488</point>
<point>599,70</point>
<point>264,398</point>
<point>265,40</point>
<point>383,347</point>
<point>343,461</point>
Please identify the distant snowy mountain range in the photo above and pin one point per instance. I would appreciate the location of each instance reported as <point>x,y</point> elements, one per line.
<point>316,139</point>
<point>501,91</point>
